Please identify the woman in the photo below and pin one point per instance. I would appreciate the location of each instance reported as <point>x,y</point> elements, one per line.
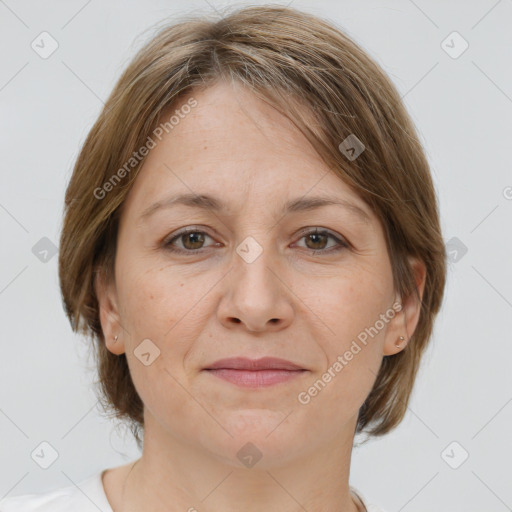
<point>251,238</point>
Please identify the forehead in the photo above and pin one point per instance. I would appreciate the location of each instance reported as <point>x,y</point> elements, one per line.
<point>233,144</point>
<point>232,123</point>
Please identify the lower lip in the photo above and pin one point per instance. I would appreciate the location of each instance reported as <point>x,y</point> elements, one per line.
<point>255,378</point>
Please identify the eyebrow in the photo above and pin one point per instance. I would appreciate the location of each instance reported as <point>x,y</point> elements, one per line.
<point>207,202</point>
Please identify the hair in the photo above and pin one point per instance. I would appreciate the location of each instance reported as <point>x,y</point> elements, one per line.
<point>326,84</point>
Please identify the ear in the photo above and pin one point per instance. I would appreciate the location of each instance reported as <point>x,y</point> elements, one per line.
<point>109,312</point>
<point>404,322</point>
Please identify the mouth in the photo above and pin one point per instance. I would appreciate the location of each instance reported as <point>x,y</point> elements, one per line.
<point>255,373</point>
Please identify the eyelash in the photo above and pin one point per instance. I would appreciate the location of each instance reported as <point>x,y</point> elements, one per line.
<point>167,243</point>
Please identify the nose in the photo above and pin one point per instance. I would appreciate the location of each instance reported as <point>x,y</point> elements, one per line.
<point>256,296</point>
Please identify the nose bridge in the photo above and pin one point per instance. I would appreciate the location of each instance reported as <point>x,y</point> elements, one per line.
<point>253,264</point>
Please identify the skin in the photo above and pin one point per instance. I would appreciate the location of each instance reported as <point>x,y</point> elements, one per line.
<point>203,306</point>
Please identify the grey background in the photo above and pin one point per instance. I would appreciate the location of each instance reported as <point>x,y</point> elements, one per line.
<point>462,107</point>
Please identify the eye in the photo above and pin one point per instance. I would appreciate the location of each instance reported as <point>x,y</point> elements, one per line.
<point>316,240</point>
<point>192,240</point>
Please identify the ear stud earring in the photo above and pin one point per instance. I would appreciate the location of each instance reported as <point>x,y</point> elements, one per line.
<point>399,341</point>
<point>115,338</point>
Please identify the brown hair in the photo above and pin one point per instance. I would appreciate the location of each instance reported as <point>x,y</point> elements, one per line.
<point>330,88</point>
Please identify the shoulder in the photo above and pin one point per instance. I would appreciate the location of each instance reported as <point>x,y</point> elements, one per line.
<point>87,496</point>
<point>370,507</point>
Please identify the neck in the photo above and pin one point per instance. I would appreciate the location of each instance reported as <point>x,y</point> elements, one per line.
<point>185,478</point>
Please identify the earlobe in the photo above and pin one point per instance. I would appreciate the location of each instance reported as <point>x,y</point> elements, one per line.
<point>108,312</point>
<point>399,341</point>
<point>396,334</point>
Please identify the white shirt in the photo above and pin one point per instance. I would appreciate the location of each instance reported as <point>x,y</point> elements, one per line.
<point>88,496</point>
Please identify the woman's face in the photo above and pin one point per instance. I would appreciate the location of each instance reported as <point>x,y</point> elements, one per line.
<point>251,280</point>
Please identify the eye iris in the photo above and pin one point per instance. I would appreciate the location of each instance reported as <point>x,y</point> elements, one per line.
<point>319,237</point>
<point>197,238</point>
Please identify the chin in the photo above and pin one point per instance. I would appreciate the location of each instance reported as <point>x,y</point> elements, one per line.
<point>260,439</point>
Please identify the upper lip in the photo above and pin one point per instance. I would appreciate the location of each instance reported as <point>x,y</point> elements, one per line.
<point>243,363</point>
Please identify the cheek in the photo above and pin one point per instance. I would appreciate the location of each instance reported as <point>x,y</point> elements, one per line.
<point>351,303</point>
<point>153,300</point>
<point>157,306</point>
<point>353,345</point>
<point>167,307</point>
